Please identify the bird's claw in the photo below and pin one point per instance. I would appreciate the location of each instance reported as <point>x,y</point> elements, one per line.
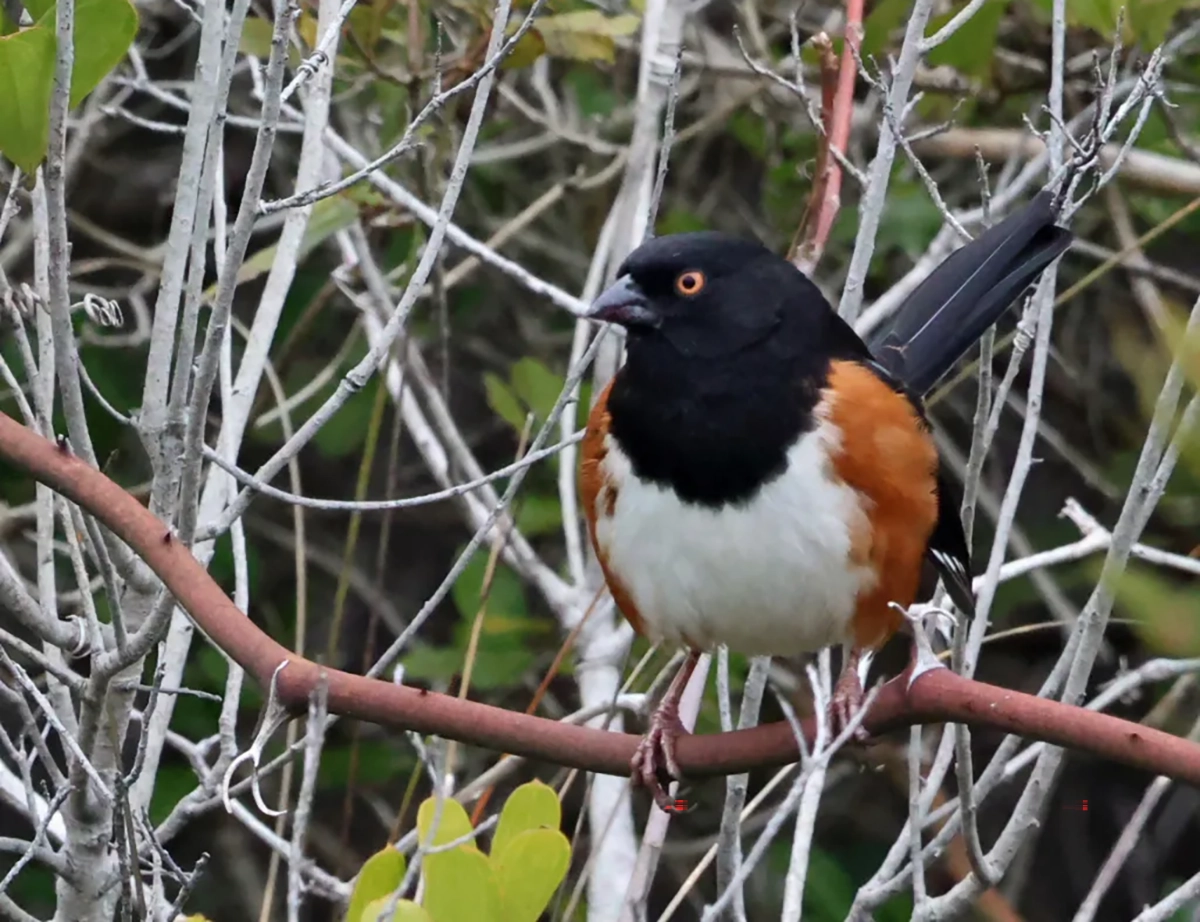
<point>846,702</point>
<point>654,765</point>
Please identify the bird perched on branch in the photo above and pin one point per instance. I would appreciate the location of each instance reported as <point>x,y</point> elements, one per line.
<point>756,476</point>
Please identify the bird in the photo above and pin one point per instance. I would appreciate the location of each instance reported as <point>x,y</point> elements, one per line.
<point>757,476</point>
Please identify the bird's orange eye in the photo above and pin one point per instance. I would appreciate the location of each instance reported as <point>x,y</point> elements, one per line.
<point>690,283</point>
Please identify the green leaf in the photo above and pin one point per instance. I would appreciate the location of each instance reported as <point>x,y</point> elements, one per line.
<point>104,30</point>
<point>346,430</point>
<point>328,216</point>
<point>1168,617</point>
<point>585,35</point>
<point>38,8</point>
<point>529,870</point>
<point>1146,22</point>
<point>256,37</point>
<point>503,401</point>
<point>507,595</point>
<point>453,823</point>
<point>533,805</point>
<point>828,889</point>
<point>537,385</point>
<point>26,82</point>
<point>969,50</point>
<point>528,49</point>
<point>461,887</point>
<point>882,21</point>
<point>406,911</point>
<point>539,515</point>
<point>378,878</point>
<point>593,93</point>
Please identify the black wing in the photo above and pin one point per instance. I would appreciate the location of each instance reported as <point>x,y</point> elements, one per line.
<point>948,550</point>
<point>943,317</point>
<point>948,312</point>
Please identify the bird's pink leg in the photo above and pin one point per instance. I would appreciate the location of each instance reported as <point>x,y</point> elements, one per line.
<point>847,697</point>
<point>655,754</point>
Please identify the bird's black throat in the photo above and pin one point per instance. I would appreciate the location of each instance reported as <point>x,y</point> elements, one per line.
<point>713,429</point>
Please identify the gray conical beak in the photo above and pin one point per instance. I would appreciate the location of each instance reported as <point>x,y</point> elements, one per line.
<point>623,303</point>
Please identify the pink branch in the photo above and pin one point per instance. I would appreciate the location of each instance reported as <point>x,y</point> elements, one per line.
<point>936,696</point>
<point>837,105</point>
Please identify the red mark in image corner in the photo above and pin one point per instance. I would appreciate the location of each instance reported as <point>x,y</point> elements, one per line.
<point>1081,806</point>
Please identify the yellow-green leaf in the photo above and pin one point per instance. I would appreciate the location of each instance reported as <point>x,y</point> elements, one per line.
<point>969,50</point>
<point>460,887</point>
<point>528,49</point>
<point>529,870</point>
<point>256,37</point>
<point>453,823</point>
<point>26,82</point>
<point>328,216</point>
<point>104,30</point>
<point>537,385</point>
<point>379,876</point>
<point>533,805</point>
<point>406,911</point>
<point>1167,616</point>
<point>503,401</point>
<point>586,35</point>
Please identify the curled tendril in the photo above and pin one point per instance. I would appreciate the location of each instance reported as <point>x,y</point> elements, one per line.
<point>103,312</point>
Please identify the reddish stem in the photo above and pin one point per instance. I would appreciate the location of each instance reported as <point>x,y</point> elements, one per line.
<point>837,105</point>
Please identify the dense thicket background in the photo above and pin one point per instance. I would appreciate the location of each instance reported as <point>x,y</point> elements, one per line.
<point>550,158</point>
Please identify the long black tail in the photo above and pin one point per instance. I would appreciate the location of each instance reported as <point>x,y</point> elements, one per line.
<point>961,298</point>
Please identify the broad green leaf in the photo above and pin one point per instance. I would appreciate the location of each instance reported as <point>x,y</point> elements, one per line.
<point>884,18</point>
<point>507,595</point>
<point>533,805</point>
<point>1168,617</point>
<point>453,823</point>
<point>493,669</point>
<point>38,8</point>
<point>586,35</point>
<point>104,30</point>
<point>594,94</point>
<point>328,216</point>
<point>529,870</point>
<point>528,49</point>
<point>26,82</point>
<point>346,431</point>
<point>537,385</point>
<point>539,515</point>
<point>503,401</point>
<point>1146,22</point>
<point>461,887</point>
<point>7,26</point>
<point>406,911</point>
<point>256,37</point>
<point>378,878</point>
<point>1152,20</point>
<point>828,888</point>
<point>969,50</point>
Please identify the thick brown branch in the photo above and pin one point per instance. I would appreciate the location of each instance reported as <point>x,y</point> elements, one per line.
<point>935,696</point>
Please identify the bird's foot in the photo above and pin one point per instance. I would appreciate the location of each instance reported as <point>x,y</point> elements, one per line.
<point>846,702</point>
<point>653,764</point>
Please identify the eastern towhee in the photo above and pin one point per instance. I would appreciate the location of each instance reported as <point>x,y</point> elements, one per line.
<point>756,476</point>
